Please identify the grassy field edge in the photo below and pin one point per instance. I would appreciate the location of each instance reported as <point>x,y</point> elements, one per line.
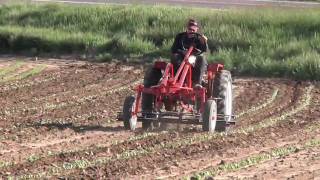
<point>268,42</point>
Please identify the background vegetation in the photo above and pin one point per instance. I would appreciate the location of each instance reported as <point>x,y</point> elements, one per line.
<point>265,42</point>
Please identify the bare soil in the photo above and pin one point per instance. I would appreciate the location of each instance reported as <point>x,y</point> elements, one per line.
<point>62,123</point>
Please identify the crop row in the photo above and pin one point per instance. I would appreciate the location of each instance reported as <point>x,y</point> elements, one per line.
<point>263,105</point>
<point>305,101</point>
<point>313,127</point>
<point>13,85</point>
<point>47,121</point>
<point>197,138</point>
<point>72,119</point>
<point>67,120</point>
<point>255,159</point>
<point>97,84</point>
<point>80,117</point>
<point>77,101</point>
<point>76,118</point>
<point>302,104</point>
<point>71,91</point>
<point>87,150</point>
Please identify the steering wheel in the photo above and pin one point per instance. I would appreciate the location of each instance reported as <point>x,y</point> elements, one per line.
<point>193,36</point>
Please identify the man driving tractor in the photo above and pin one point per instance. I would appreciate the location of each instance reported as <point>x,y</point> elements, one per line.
<point>179,48</point>
<point>173,93</point>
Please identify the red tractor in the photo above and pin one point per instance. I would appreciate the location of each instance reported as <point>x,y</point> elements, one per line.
<point>175,100</point>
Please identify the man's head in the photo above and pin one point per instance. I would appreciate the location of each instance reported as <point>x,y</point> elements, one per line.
<point>192,26</point>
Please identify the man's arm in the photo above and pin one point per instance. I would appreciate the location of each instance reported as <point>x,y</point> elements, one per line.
<point>203,43</point>
<point>175,45</point>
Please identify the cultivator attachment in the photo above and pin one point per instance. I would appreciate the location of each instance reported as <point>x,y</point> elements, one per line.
<point>176,117</point>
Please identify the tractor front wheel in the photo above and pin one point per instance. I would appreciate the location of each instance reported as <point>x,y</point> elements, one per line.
<point>129,120</point>
<point>209,116</point>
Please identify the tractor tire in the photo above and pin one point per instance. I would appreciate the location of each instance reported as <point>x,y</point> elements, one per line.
<point>151,78</point>
<point>222,89</point>
<point>209,116</point>
<point>129,121</point>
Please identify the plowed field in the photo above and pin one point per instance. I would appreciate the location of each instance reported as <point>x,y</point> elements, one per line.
<point>58,120</point>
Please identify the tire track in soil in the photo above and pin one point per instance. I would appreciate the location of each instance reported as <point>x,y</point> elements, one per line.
<point>142,145</point>
<point>150,161</point>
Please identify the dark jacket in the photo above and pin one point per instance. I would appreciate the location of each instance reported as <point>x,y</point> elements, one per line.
<point>182,43</point>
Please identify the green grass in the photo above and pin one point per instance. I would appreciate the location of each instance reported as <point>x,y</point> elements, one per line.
<point>7,70</point>
<point>265,42</point>
<point>29,73</point>
<point>36,70</point>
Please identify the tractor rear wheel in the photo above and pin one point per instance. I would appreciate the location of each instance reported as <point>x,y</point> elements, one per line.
<point>222,89</point>
<point>209,116</point>
<point>129,121</point>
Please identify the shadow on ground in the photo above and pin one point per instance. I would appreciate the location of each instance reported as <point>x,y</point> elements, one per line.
<point>82,128</point>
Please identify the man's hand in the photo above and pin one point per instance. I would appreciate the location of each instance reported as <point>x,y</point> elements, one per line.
<point>203,38</point>
<point>183,52</point>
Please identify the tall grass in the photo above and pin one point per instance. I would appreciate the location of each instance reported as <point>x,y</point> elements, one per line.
<point>268,42</point>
